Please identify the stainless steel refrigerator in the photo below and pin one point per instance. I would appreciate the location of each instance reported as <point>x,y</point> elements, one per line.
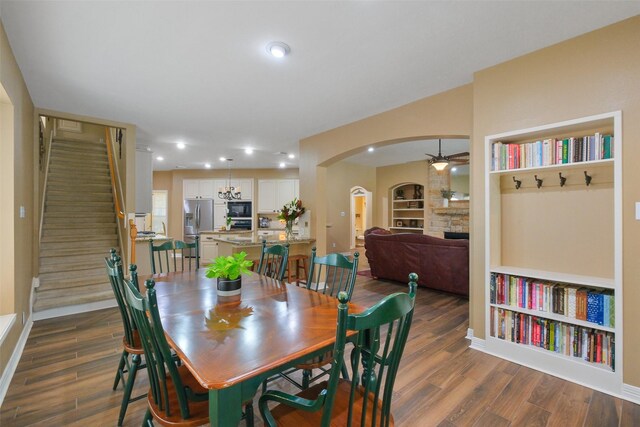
<point>198,216</point>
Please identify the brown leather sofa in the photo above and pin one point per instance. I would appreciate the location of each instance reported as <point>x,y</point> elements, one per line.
<point>441,264</point>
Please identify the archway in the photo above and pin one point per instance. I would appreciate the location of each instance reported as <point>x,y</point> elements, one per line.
<point>361,214</point>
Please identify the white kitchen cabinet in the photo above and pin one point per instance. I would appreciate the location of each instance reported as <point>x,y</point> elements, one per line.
<point>286,192</point>
<point>199,189</point>
<point>209,250</point>
<point>245,186</point>
<point>219,213</point>
<point>273,194</point>
<point>296,188</point>
<point>267,195</point>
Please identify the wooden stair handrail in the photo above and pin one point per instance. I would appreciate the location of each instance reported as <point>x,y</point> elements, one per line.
<point>113,175</point>
<point>133,233</point>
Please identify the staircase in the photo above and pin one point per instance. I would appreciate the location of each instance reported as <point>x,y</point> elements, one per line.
<point>79,228</point>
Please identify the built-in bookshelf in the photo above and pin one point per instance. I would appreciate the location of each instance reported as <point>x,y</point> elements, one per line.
<point>407,208</point>
<point>554,248</point>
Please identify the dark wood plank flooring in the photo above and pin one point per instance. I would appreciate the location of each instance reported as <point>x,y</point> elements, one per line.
<point>66,371</point>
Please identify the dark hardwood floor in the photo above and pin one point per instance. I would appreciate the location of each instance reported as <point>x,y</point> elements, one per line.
<point>66,372</point>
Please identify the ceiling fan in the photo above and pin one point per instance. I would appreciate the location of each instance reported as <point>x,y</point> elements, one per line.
<point>440,162</point>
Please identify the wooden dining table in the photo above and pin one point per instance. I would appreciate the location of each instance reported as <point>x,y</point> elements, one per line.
<point>232,344</point>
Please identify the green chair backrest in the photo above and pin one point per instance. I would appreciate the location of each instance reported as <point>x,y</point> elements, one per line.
<point>382,334</point>
<point>188,251</point>
<point>164,257</point>
<point>273,260</point>
<point>332,273</point>
<point>116,278</point>
<point>160,364</point>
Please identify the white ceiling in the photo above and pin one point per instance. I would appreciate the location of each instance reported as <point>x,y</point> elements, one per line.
<point>198,71</point>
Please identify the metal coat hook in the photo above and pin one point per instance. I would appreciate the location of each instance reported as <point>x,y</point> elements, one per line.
<point>563,179</point>
<point>518,183</point>
<point>587,178</point>
<point>538,181</point>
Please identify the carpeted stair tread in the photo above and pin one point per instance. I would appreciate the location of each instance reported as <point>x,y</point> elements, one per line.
<point>53,253</point>
<point>106,244</point>
<point>76,224</point>
<point>87,238</point>
<point>49,281</point>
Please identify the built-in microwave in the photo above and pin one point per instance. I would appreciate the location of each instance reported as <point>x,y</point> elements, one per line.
<point>239,209</point>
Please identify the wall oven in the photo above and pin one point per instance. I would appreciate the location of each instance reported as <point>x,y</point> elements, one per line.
<point>238,209</point>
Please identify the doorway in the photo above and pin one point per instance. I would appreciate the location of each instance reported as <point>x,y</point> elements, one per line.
<point>361,215</point>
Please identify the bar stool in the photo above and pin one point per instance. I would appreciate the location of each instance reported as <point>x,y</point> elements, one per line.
<point>295,264</point>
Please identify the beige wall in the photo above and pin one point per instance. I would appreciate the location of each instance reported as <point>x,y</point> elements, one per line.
<point>553,85</point>
<point>388,177</point>
<point>341,178</point>
<point>172,181</point>
<point>448,114</point>
<point>19,232</point>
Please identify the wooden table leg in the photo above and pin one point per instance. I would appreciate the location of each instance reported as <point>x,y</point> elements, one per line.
<point>225,406</point>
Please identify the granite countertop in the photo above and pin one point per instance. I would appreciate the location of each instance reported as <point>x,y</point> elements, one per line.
<point>226,232</point>
<point>257,241</point>
<point>156,238</point>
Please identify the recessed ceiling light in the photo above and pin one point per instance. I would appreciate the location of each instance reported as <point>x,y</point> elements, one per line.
<point>291,156</point>
<point>207,165</point>
<point>278,49</point>
<point>282,164</point>
<point>181,145</point>
<point>159,158</point>
<point>248,150</point>
<point>223,159</point>
<point>370,149</point>
<point>454,169</point>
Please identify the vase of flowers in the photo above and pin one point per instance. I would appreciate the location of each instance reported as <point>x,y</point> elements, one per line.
<point>289,213</point>
<point>229,270</point>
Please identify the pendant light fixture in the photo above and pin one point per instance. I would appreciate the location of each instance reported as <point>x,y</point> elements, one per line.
<point>229,192</point>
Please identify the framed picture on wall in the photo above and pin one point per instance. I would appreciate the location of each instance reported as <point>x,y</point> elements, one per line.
<point>399,223</point>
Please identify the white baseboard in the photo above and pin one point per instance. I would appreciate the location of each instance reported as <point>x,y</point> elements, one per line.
<point>74,309</point>
<point>476,343</point>
<point>10,369</point>
<point>631,393</point>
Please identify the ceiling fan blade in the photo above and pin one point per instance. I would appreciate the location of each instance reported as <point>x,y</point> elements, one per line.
<point>460,161</point>
<point>431,155</point>
<point>453,156</point>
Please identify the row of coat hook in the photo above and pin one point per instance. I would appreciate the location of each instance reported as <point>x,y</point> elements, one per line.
<point>563,180</point>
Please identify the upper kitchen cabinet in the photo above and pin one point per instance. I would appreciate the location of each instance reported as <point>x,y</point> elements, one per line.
<point>275,193</point>
<point>244,184</point>
<point>144,181</point>
<point>199,189</point>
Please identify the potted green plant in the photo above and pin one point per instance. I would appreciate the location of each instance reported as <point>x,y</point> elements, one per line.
<point>446,195</point>
<point>229,270</point>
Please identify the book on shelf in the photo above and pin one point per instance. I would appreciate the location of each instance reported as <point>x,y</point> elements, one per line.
<point>551,151</point>
<point>591,305</point>
<point>589,344</point>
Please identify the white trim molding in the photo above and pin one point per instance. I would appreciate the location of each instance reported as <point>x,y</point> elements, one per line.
<point>10,369</point>
<point>631,393</point>
<point>74,309</point>
<point>476,343</point>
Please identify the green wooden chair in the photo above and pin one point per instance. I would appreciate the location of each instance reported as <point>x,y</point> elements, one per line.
<point>332,273</point>
<point>189,252</point>
<point>273,260</point>
<point>366,401</point>
<point>175,397</point>
<point>164,256</point>
<point>131,346</point>
<point>329,275</point>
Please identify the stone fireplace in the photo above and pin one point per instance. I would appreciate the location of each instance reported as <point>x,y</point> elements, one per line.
<point>455,217</point>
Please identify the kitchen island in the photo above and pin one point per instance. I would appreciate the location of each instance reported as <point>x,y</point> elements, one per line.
<point>143,252</point>
<point>252,245</point>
